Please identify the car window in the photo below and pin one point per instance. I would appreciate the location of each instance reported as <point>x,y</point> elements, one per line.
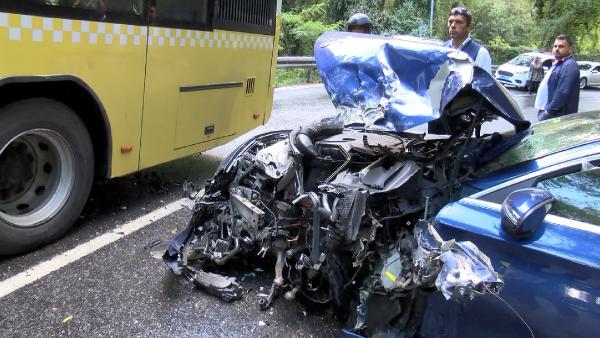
<point>547,63</point>
<point>521,60</point>
<point>548,137</point>
<point>577,195</point>
<point>191,14</point>
<point>119,11</point>
<point>596,69</point>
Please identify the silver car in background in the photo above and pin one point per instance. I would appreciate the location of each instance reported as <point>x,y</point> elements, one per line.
<point>589,73</point>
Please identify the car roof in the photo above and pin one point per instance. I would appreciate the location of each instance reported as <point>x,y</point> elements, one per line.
<point>541,54</point>
<point>588,63</point>
<point>549,137</point>
<point>412,38</point>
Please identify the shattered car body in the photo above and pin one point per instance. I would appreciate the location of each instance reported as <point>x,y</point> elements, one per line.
<point>344,204</point>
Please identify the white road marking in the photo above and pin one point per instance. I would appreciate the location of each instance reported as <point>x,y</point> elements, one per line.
<point>43,269</point>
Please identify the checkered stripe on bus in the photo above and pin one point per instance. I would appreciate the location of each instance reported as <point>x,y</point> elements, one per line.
<point>27,28</point>
<point>216,39</point>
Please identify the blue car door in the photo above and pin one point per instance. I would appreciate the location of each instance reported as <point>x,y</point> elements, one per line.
<point>552,280</point>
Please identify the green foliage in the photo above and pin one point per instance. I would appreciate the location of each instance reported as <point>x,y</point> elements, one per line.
<point>389,17</point>
<point>501,51</point>
<point>510,21</point>
<point>506,27</point>
<point>300,30</point>
<point>399,20</point>
<point>339,10</point>
<point>578,18</point>
<point>297,5</point>
<point>498,42</point>
<point>589,56</point>
<point>291,76</point>
<point>497,19</point>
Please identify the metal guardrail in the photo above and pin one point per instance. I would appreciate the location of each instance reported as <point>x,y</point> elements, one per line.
<point>296,62</point>
<point>309,62</point>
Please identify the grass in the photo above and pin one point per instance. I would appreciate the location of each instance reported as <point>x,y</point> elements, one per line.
<point>293,76</point>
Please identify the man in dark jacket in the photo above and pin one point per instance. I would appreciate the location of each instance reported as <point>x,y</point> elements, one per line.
<point>563,82</point>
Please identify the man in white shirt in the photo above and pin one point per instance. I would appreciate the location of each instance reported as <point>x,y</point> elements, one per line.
<point>459,26</point>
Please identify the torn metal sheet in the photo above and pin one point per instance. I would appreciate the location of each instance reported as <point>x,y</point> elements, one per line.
<point>222,287</point>
<point>400,84</point>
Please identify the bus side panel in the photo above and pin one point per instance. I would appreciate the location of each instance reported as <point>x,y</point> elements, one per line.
<point>273,63</point>
<point>202,90</point>
<point>109,58</point>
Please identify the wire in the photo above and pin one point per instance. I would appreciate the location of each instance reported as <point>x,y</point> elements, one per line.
<point>266,207</point>
<point>513,310</point>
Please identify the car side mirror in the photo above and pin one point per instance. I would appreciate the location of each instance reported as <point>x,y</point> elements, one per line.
<point>595,71</point>
<point>523,211</point>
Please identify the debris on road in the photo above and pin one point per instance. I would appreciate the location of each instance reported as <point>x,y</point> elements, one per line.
<point>152,244</point>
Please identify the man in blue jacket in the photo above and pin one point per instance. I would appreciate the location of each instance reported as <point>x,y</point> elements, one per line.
<point>563,81</point>
<point>459,26</point>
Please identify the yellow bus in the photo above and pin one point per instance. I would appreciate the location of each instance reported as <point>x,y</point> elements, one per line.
<point>95,89</point>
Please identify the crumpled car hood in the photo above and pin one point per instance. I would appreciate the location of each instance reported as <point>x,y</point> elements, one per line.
<point>399,84</point>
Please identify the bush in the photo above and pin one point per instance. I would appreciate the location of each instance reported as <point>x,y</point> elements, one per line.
<point>589,56</point>
<point>299,31</point>
<point>292,76</point>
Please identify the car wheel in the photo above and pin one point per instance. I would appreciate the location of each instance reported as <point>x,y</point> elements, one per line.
<point>582,83</point>
<point>46,172</point>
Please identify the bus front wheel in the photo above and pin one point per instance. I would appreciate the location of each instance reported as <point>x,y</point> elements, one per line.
<point>46,172</point>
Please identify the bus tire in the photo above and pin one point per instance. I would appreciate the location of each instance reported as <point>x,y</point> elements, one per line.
<point>46,172</point>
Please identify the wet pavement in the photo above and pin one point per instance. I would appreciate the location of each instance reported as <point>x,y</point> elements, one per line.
<point>121,290</point>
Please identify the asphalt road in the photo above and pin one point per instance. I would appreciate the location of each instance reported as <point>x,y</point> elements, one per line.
<point>102,278</point>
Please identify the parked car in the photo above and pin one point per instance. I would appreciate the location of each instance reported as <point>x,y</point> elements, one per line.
<point>589,73</point>
<point>516,71</point>
<point>549,259</point>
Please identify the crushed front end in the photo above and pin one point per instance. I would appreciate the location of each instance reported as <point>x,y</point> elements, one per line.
<point>344,207</point>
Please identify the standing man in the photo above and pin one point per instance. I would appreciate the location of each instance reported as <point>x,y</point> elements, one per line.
<point>536,74</point>
<point>359,23</point>
<point>563,82</point>
<point>459,26</point>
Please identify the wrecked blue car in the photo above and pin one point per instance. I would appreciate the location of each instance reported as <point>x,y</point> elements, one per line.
<point>346,205</point>
<point>535,210</point>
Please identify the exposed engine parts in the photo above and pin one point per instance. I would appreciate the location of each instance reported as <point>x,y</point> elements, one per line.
<point>346,215</point>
